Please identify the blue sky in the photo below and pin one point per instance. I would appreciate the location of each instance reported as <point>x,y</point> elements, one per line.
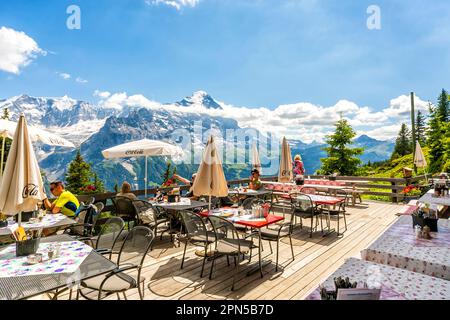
<point>253,53</point>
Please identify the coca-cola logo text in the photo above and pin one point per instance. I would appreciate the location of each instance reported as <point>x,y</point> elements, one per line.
<point>30,190</point>
<point>134,152</point>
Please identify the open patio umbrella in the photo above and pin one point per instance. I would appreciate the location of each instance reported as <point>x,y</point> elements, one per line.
<point>22,186</point>
<point>419,159</point>
<point>256,162</point>
<point>8,128</point>
<point>285,173</point>
<point>210,179</point>
<point>143,148</point>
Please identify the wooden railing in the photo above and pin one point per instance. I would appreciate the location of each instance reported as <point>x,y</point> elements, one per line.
<point>393,187</point>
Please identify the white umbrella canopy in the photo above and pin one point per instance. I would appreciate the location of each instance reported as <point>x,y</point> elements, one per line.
<point>210,179</point>
<point>285,174</point>
<point>22,186</point>
<point>256,162</point>
<point>143,148</point>
<point>8,129</point>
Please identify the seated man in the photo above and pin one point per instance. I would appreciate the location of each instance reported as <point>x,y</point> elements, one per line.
<point>66,203</point>
<point>255,182</point>
<point>190,183</point>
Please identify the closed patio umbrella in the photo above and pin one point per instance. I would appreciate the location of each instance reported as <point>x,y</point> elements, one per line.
<point>285,173</point>
<point>143,148</point>
<point>8,129</point>
<point>419,159</point>
<point>22,187</point>
<point>256,162</point>
<point>210,179</point>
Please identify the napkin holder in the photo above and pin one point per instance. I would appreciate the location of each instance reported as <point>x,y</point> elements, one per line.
<point>422,222</point>
<point>27,247</point>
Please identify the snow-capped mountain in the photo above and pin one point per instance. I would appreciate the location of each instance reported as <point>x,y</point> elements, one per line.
<point>96,127</point>
<point>72,119</point>
<point>200,98</point>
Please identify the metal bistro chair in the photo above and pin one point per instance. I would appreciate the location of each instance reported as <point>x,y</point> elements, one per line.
<point>131,257</point>
<point>229,244</point>
<point>124,208</point>
<point>304,208</point>
<point>279,232</point>
<point>152,216</point>
<point>100,206</point>
<point>197,234</point>
<point>85,221</point>
<point>106,233</point>
<point>339,210</point>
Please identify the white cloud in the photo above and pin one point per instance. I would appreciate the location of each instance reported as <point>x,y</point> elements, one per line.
<point>304,121</point>
<point>177,4</point>
<point>17,50</point>
<point>81,80</point>
<point>64,75</point>
<point>102,94</point>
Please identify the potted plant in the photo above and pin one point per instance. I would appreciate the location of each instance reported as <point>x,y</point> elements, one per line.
<point>3,221</point>
<point>411,193</point>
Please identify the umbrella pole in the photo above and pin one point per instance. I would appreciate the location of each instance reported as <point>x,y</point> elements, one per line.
<point>146,177</point>
<point>3,155</point>
<point>209,204</point>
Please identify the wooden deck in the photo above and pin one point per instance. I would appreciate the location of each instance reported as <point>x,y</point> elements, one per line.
<point>315,259</point>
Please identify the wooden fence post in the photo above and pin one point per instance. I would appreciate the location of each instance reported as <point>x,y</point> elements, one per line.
<point>394,190</point>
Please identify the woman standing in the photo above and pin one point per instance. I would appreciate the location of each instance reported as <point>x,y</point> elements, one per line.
<point>299,170</point>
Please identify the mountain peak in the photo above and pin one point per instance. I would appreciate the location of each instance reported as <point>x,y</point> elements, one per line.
<point>200,98</point>
<point>365,138</point>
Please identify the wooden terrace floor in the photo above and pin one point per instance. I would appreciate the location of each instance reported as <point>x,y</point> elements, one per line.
<point>315,259</point>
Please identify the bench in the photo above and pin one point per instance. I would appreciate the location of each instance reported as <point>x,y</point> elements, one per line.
<point>328,186</point>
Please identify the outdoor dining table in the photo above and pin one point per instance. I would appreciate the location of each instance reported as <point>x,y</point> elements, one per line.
<point>49,221</point>
<point>395,283</point>
<point>247,221</point>
<point>319,200</point>
<point>262,193</point>
<point>428,197</point>
<point>399,247</point>
<point>181,206</point>
<point>77,262</point>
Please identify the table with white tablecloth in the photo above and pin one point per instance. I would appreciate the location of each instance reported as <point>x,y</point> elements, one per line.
<point>399,247</point>
<point>395,283</point>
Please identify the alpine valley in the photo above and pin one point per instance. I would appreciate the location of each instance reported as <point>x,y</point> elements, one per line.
<point>95,127</point>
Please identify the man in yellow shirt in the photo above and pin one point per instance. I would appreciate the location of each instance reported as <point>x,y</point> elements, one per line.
<point>66,203</point>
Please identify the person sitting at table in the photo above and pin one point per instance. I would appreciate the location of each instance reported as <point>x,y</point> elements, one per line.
<point>126,192</point>
<point>65,203</point>
<point>255,182</point>
<point>190,183</point>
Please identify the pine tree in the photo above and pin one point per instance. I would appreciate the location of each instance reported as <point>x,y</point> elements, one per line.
<point>436,134</point>
<point>446,142</point>
<point>340,157</point>
<point>78,175</point>
<point>5,115</point>
<point>421,128</point>
<point>403,143</point>
<point>443,107</point>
